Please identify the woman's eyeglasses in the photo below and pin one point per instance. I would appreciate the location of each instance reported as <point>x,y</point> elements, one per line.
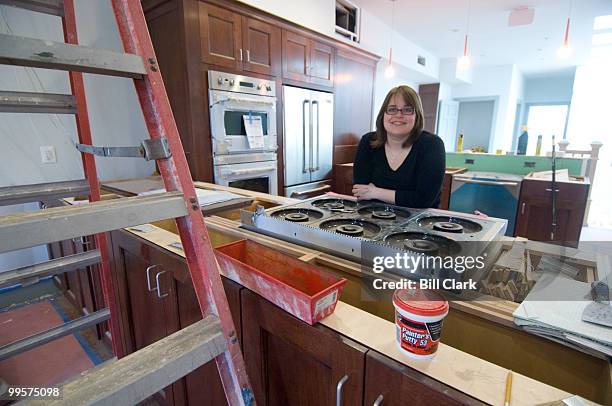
<point>406,110</point>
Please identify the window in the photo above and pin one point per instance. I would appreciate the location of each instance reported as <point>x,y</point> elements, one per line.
<point>347,20</point>
<point>545,120</point>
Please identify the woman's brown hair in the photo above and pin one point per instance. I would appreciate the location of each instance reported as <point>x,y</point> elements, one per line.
<point>411,98</point>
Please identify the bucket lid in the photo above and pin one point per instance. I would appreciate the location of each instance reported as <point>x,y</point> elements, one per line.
<point>420,301</point>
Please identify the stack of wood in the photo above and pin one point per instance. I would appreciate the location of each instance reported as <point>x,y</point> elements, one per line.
<point>512,276</point>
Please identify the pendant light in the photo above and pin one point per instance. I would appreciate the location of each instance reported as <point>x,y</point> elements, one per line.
<point>390,70</point>
<point>464,62</point>
<point>565,51</point>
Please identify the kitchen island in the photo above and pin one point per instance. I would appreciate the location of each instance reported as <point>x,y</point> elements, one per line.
<point>291,362</point>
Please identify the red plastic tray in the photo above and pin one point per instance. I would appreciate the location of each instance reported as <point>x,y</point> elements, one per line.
<point>298,287</point>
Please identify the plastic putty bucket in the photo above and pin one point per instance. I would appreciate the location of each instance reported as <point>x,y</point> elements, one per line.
<point>418,319</point>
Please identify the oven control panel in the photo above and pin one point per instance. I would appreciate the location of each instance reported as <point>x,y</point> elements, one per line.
<point>241,84</point>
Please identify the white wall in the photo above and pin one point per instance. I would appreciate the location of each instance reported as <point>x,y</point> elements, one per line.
<point>504,84</point>
<point>549,89</point>
<point>115,115</point>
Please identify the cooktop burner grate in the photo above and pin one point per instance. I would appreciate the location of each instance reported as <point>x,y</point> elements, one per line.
<point>382,212</point>
<point>336,205</point>
<point>352,227</point>
<point>449,224</point>
<point>297,215</point>
<point>423,243</point>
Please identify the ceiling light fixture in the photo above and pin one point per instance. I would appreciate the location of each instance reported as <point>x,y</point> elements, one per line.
<point>390,70</point>
<point>464,62</point>
<point>565,51</point>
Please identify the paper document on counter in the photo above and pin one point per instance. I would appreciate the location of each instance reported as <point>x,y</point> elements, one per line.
<point>254,130</point>
<point>205,197</point>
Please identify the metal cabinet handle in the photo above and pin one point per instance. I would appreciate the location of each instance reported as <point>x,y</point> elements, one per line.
<point>158,288</point>
<point>523,208</point>
<point>248,55</point>
<point>241,54</point>
<point>339,386</point>
<point>550,190</point>
<point>149,277</point>
<point>378,401</point>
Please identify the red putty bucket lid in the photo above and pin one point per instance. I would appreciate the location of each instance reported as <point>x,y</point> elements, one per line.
<point>420,301</point>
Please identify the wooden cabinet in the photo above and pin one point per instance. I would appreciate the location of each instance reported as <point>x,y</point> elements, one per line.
<point>391,383</point>
<point>235,41</point>
<point>157,298</point>
<point>534,218</point>
<point>292,363</point>
<point>429,99</point>
<point>307,60</point>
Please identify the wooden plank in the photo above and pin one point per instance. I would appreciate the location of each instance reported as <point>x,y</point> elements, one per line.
<point>25,344</point>
<point>28,102</point>
<point>29,229</point>
<point>143,373</point>
<point>47,268</point>
<point>37,53</point>
<point>52,7</point>
<point>42,191</point>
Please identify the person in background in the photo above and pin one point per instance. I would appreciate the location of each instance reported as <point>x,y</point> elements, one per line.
<point>400,163</point>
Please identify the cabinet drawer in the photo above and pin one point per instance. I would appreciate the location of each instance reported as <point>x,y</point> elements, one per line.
<point>542,189</point>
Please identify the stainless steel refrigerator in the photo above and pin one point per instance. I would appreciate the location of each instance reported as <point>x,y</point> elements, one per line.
<point>308,124</point>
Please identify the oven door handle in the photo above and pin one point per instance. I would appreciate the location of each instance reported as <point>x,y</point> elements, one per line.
<point>305,103</point>
<point>252,171</point>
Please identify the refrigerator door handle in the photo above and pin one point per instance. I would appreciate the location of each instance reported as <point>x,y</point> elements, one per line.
<point>304,104</point>
<point>316,167</point>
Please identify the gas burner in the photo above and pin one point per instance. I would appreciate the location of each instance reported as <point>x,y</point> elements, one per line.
<point>422,243</point>
<point>337,205</point>
<point>449,224</point>
<point>352,227</point>
<point>381,212</point>
<point>297,215</point>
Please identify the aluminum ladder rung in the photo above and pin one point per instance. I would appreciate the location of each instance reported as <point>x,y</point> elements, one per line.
<point>37,53</point>
<point>48,268</point>
<point>137,376</point>
<point>27,343</point>
<point>53,7</point>
<point>27,102</point>
<point>42,191</point>
<point>29,229</point>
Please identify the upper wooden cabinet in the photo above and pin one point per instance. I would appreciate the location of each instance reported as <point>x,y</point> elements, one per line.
<point>307,60</point>
<point>238,42</point>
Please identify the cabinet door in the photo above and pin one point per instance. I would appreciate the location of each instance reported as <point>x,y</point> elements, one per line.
<point>148,316</point>
<point>391,383</point>
<point>535,220</point>
<point>292,363</point>
<point>261,43</point>
<point>203,386</point>
<point>321,64</point>
<point>221,37</point>
<point>73,278</point>
<point>296,56</point>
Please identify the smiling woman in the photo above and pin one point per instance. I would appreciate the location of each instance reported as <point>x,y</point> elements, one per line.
<point>400,163</point>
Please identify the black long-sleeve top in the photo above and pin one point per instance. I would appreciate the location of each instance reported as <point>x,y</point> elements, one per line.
<point>417,181</point>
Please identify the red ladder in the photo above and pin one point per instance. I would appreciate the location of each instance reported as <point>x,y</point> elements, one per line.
<point>179,202</point>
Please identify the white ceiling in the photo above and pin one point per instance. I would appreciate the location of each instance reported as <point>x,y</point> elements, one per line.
<point>439,27</point>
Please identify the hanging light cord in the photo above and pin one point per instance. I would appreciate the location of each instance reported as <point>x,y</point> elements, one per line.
<point>392,31</point>
<point>467,28</point>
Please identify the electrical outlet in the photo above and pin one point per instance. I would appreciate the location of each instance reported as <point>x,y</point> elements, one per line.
<point>48,155</point>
